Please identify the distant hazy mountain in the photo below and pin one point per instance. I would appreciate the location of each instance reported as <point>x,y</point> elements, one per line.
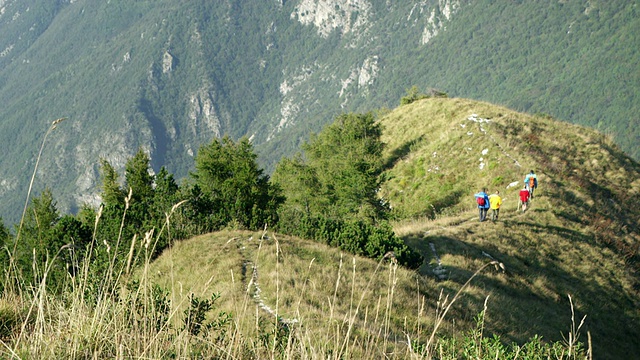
<point>169,76</point>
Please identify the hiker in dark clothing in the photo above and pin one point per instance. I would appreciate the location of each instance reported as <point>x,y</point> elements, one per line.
<point>482,199</point>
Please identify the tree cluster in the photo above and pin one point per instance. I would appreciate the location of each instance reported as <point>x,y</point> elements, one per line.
<point>328,194</point>
<point>331,191</point>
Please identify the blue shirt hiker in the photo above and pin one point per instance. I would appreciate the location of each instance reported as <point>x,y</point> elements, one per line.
<point>482,199</point>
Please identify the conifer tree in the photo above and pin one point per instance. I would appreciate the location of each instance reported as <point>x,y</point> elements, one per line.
<point>238,191</point>
<point>138,177</point>
<point>36,246</point>
<point>112,194</point>
<point>340,176</point>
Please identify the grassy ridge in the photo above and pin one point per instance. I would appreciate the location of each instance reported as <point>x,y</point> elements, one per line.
<point>559,248</point>
<point>538,273</point>
<point>578,237</point>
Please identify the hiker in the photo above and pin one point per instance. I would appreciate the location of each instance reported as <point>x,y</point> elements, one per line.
<point>531,182</point>
<point>524,199</point>
<point>494,202</point>
<point>482,199</point>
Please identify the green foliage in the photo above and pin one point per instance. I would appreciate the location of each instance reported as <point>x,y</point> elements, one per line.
<point>227,174</point>
<point>337,179</point>
<point>35,246</point>
<point>196,314</point>
<point>4,233</point>
<point>138,178</point>
<point>166,195</point>
<point>150,307</point>
<point>48,246</point>
<point>8,322</point>
<point>75,237</point>
<point>339,176</point>
<point>274,336</point>
<point>301,185</point>
<point>355,236</point>
<point>5,240</point>
<point>412,95</point>
<point>475,345</point>
<point>111,191</point>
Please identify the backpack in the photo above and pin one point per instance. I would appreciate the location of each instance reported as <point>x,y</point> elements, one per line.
<point>532,182</point>
<point>480,200</point>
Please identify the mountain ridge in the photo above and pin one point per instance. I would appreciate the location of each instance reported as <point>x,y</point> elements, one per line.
<point>564,252</point>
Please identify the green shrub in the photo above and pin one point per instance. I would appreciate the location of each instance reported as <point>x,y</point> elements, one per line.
<point>9,320</point>
<point>356,236</point>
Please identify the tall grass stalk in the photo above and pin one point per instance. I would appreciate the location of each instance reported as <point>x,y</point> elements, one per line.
<point>574,334</point>
<point>344,349</point>
<point>54,124</point>
<point>9,285</point>
<point>276,320</point>
<point>446,306</point>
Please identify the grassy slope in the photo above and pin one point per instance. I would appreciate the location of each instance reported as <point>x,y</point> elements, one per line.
<point>328,293</point>
<point>573,241</point>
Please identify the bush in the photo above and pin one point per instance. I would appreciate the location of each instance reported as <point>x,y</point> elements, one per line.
<point>357,236</point>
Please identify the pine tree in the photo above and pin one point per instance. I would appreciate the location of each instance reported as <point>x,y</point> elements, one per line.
<point>238,191</point>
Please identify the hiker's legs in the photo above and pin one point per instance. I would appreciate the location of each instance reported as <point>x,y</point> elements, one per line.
<point>483,214</point>
<point>497,213</point>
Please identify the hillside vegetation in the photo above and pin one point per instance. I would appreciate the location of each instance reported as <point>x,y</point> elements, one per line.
<point>580,236</point>
<point>578,241</point>
<point>169,76</point>
<point>558,281</point>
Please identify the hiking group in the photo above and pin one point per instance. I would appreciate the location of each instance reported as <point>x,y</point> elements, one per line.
<point>494,201</point>
<point>526,193</point>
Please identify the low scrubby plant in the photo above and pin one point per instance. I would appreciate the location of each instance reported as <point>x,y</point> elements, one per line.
<point>356,236</point>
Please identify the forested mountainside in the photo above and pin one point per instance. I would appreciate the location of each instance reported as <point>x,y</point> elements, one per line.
<point>169,76</point>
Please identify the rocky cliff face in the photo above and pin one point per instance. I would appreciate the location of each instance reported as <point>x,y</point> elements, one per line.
<point>355,21</point>
<point>345,16</point>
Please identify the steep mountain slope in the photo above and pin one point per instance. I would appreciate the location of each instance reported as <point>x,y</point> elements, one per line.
<point>574,252</point>
<point>169,76</point>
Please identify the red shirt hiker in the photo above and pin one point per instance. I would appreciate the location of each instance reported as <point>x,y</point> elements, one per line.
<point>524,199</point>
